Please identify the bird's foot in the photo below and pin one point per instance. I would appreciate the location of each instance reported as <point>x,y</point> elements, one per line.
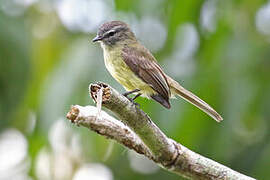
<point>133,98</point>
<point>133,102</point>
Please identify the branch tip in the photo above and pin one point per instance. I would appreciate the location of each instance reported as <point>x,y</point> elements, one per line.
<point>96,87</point>
<point>73,114</point>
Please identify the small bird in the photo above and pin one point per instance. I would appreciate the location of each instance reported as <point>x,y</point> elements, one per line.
<point>137,70</point>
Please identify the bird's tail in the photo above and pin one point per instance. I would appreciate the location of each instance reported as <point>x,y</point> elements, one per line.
<point>176,88</point>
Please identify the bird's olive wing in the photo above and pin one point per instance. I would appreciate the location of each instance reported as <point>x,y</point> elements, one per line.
<point>144,65</point>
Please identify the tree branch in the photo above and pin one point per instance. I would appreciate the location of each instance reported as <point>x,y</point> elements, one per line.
<point>136,131</point>
<point>107,126</point>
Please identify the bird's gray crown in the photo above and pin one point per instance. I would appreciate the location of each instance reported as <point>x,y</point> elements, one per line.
<point>112,25</point>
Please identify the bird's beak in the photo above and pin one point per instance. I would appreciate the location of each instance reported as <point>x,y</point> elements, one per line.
<point>97,38</point>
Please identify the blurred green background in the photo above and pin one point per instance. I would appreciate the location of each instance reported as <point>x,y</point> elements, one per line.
<point>220,50</point>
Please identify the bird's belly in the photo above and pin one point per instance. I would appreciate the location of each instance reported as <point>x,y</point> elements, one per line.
<point>123,74</point>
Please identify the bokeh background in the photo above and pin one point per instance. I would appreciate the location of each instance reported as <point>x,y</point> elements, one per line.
<point>218,49</point>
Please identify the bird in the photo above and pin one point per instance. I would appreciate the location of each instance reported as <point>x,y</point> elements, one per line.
<point>137,70</point>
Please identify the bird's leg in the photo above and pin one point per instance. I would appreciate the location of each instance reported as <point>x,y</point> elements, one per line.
<point>137,95</point>
<point>132,99</point>
<point>130,92</point>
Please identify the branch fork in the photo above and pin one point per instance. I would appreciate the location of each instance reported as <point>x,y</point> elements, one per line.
<point>136,131</point>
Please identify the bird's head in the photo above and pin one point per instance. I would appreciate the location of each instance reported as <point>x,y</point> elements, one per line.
<point>114,32</point>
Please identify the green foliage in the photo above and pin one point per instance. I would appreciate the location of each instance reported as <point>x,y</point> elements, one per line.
<point>45,66</point>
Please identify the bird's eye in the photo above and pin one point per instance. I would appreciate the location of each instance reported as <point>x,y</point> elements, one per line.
<point>111,33</point>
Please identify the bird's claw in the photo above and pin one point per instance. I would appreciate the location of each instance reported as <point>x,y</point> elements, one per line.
<point>133,102</point>
<point>132,99</point>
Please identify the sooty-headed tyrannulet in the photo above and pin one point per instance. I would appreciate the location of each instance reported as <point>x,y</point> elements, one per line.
<point>134,67</point>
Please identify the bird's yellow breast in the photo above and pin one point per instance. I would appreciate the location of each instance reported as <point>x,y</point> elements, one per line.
<point>122,73</point>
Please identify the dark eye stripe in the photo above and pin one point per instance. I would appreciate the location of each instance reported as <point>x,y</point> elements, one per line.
<point>109,33</point>
<point>113,31</point>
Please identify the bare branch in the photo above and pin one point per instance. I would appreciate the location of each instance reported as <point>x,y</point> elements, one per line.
<point>107,126</point>
<point>136,131</point>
